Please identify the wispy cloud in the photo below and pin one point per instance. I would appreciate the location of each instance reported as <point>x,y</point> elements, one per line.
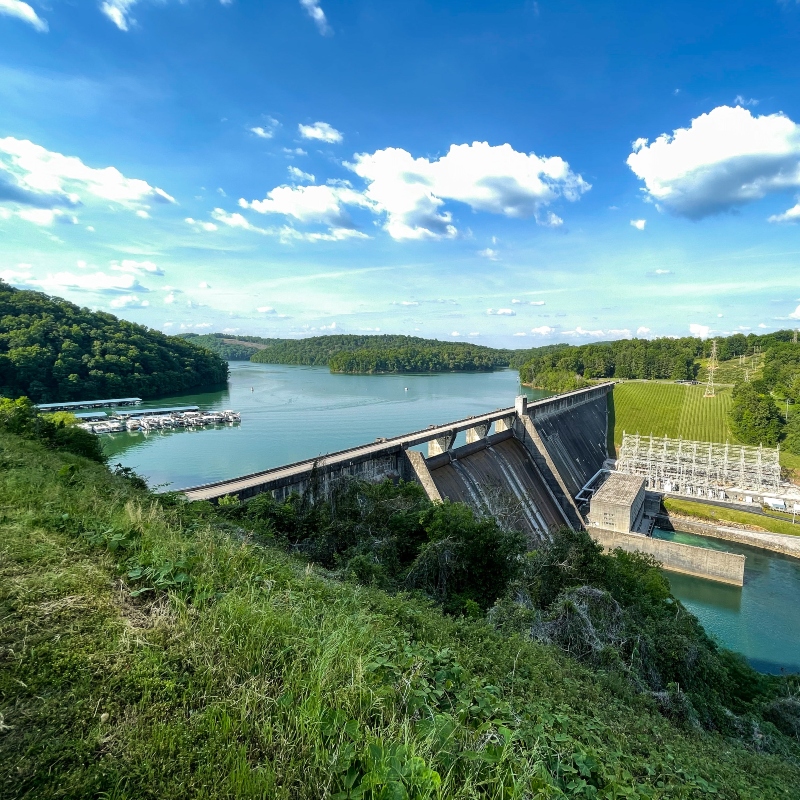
<point>24,12</point>
<point>314,10</point>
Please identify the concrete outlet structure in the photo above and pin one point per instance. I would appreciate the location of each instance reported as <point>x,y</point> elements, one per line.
<point>618,505</point>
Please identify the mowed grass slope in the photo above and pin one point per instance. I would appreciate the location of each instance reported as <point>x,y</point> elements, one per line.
<point>150,654</point>
<point>671,409</point>
<point>675,410</point>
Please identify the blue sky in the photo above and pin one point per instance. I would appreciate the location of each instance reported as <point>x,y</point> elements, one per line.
<point>512,173</point>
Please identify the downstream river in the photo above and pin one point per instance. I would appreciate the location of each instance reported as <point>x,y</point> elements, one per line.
<point>293,413</point>
<point>760,620</point>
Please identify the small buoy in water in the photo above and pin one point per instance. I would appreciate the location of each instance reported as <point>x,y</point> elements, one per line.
<point>252,389</point>
<point>406,388</point>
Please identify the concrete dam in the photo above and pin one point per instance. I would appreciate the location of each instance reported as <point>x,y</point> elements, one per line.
<point>534,466</point>
<point>528,461</point>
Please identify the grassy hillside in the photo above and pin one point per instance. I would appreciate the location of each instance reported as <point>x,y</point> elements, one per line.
<point>148,650</point>
<point>770,522</point>
<point>670,409</point>
<point>732,371</point>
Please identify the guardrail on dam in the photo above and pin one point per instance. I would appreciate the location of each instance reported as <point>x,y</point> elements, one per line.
<point>534,463</point>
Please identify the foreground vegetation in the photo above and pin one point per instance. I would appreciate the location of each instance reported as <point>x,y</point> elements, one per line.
<point>53,350</point>
<point>712,513</point>
<point>151,648</point>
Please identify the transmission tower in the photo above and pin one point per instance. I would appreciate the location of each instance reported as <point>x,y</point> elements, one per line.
<point>794,338</point>
<point>747,376</point>
<point>712,368</point>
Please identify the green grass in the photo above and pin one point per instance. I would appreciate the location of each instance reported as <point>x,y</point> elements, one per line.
<point>674,410</point>
<point>732,371</point>
<point>670,409</point>
<point>720,514</point>
<point>242,673</point>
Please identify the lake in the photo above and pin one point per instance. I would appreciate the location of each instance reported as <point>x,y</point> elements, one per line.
<point>292,413</point>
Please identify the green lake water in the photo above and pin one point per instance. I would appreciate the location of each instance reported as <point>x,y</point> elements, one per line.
<point>760,620</point>
<point>293,413</point>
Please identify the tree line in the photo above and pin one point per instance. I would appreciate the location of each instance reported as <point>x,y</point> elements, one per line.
<point>767,410</point>
<point>440,357</point>
<point>52,350</point>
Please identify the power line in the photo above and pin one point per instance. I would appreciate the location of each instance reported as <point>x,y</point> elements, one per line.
<point>712,368</point>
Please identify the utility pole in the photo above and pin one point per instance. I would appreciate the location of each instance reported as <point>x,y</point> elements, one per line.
<point>712,368</point>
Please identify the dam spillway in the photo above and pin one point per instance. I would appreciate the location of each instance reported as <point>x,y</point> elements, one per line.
<point>499,478</point>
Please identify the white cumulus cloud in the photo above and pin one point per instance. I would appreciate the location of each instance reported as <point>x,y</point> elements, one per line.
<point>128,301</point>
<point>266,131</point>
<point>639,224</point>
<point>311,204</point>
<point>642,331</point>
<point>23,11</point>
<point>33,176</point>
<point>99,282</point>
<point>542,330</point>
<point>794,315</point>
<point>695,329</point>
<point>46,216</point>
<point>199,225</point>
<point>725,159</point>
<point>496,179</point>
<point>490,254</point>
<point>321,131</point>
<point>579,331</point>
<point>314,10</point>
<point>235,220</point>
<point>790,215</point>
<point>501,312</point>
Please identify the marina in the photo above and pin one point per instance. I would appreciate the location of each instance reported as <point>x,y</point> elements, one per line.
<point>159,419</point>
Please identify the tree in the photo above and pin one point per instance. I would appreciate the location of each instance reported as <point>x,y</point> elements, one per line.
<point>754,416</point>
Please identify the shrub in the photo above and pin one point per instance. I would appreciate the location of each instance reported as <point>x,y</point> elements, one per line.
<point>22,418</point>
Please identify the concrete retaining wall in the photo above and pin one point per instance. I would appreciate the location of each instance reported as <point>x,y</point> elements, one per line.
<point>699,561</point>
<point>765,540</point>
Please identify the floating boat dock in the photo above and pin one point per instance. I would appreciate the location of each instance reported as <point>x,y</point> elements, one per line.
<point>153,419</point>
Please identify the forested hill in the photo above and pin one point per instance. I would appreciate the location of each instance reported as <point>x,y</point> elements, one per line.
<point>53,350</point>
<point>346,353</point>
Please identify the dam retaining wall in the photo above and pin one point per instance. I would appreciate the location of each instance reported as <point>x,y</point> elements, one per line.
<point>699,561</point>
